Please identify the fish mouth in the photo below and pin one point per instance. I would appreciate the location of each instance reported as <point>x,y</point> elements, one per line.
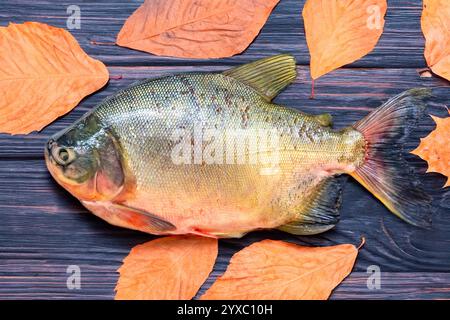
<point>52,166</point>
<point>82,191</point>
<point>48,154</point>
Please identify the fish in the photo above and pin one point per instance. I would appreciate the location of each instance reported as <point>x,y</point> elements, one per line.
<point>210,154</point>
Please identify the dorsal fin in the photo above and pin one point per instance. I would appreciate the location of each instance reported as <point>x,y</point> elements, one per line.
<point>268,76</point>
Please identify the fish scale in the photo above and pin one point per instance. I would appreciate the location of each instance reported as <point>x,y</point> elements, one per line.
<point>154,168</point>
<point>190,100</point>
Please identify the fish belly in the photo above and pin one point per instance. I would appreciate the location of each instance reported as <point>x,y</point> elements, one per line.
<point>219,207</point>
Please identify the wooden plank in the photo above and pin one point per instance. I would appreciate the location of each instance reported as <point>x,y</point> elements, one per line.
<point>99,284</point>
<point>45,227</point>
<point>348,94</point>
<point>400,46</point>
<point>396,285</point>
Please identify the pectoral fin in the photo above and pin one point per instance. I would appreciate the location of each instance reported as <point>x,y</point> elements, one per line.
<point>124,216</point>
<point>322,213</point>
<point>153,220</point>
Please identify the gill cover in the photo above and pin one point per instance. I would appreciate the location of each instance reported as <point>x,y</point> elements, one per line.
<point>86,160</point>
<point>110,176</point>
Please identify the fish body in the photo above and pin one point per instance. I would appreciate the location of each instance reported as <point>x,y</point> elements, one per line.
<point>210,154</point>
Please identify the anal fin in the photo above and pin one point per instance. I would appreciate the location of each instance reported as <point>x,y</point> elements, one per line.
<point>322,212</point>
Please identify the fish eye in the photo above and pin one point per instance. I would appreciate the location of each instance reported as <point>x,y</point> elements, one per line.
<point>63,156</point>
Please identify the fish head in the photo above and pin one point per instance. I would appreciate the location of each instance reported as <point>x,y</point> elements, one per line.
<point>86,161</point>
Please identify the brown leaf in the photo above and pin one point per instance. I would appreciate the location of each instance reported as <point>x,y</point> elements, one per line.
<point>172,268</point>
<point>43,74</point>
<point>435,149</point>
<point>195,28</point>
<point>279,270</point>
<point>339,32</point>
<point>436,29</point>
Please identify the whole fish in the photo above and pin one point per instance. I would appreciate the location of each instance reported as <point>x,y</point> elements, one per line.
<point>210,154</point>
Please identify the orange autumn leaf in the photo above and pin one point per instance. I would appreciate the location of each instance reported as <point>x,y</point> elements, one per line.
<point>436,29</point>
<point>435,149</point>
<point>195,28</point>
<point>279,270</point>
<point>44,74</point>
<point>339,32</point>
<point>169,268</point>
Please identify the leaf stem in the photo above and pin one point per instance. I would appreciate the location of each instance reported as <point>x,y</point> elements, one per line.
<point>363,242</point>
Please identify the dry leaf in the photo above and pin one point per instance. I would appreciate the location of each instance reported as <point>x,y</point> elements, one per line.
<point>436,29</point>
<point>44,74</point>
<point>279,270</point>
<point>339,32</point>
<point>435,149</point>
<point>166,268</point>
<point>195,28</point>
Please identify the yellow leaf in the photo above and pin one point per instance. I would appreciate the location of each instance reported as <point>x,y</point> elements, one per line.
<point>339,32</point>
<point>195,28</point>
<point>44,74</point>
<point>279,270</point>
<point>436,29</point>
<point>166,268</point>
<point>435,148</point>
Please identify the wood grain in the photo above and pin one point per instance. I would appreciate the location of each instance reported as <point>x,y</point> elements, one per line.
<point>98,283</point>
<point>284,32</point>
<point>43,229</point>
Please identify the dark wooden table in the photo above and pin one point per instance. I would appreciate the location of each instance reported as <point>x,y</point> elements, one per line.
<point>43,230</point>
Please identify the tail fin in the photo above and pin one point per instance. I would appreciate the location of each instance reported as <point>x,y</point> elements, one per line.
<point>385,172</point>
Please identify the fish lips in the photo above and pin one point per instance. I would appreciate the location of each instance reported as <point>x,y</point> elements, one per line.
<point>84,191</point>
